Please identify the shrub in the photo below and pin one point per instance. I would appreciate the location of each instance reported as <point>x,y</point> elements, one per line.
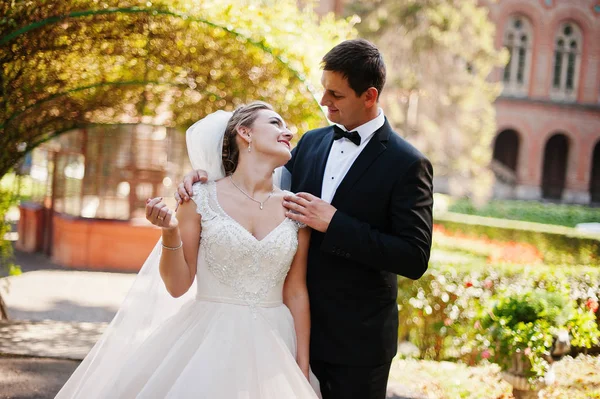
<point>6,250</point>
<point>525,324</point>
<point>441,312</point>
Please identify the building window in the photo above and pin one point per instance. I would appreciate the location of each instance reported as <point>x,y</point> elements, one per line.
<point>556,154</point>
<point>506,156</point>
<point>567,58</point>
<point>506,149</point>
<point>595,175</point>
<point>108,171</point>
<point>517,40</point>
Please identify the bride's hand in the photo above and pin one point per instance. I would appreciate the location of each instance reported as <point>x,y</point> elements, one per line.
<point>159,214</point>
<point>306,374</point>
<point>305,370</point>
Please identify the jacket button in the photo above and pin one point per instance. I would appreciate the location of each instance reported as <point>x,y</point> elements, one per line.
<point>347,255</point>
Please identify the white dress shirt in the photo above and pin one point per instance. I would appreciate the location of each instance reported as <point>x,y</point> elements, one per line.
<point>343,154</point>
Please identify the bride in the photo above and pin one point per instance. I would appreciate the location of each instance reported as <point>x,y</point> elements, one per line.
<point>220,308</point>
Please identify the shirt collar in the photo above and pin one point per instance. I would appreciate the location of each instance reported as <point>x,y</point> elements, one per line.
<point>366,130</point>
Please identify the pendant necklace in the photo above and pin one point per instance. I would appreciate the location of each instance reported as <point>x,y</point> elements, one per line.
<point>260,204</point>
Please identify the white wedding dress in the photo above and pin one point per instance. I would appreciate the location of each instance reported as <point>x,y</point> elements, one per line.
<point>234,340</point>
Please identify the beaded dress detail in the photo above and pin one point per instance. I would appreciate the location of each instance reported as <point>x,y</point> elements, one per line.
<point>247,270</point>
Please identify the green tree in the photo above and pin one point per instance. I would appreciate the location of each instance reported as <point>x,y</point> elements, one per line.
<point>439,55</point>
<point>69,64</point>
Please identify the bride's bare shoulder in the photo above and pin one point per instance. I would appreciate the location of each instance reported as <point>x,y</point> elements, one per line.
<point>280,194</point>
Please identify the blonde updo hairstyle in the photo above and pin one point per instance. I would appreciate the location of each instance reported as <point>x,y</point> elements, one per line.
<point>244,115</point>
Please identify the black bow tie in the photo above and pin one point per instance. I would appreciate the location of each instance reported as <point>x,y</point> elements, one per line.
<point>339,133</point>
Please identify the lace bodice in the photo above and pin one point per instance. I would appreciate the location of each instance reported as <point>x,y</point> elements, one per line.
<point>235,267</point>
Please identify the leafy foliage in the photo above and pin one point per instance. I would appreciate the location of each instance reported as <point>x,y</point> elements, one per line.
<point>7,266</point>
<point>531,307</point>
<point>442,312</point>
<point>167,62</point>
<point>524,324</point>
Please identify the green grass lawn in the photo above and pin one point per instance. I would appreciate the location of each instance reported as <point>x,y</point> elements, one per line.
<point>529,211</point>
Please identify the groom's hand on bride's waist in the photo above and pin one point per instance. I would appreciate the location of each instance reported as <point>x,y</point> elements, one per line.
<point>184,189</point>
<point>310,210</point>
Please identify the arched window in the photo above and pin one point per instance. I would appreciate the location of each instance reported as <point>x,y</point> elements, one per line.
<point>506,156</point>
<point>595,175</point>
<point>506,149</point>
<point>518,38</point>
<point>555,166</point>
<point>567,58</point>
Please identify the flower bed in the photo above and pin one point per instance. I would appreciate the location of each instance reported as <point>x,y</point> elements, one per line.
<point>555,244</point>
<point>440,312</point>
<point>493,251</point>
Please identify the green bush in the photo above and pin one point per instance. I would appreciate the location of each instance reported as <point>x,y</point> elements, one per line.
<point>6,249</point>
<point>525,324</point>
<point>557,244</point>
<point>441,312</point>
<point>7,267</point>
<point>530,211</point>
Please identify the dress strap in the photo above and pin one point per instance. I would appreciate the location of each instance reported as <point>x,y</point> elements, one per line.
<point>201,196</point>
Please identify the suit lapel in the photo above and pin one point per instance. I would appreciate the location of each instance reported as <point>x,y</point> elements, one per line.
<point>321,155</point>
<point>369,154</point>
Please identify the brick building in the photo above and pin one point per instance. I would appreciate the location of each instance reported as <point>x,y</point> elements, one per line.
<point>548,116</point>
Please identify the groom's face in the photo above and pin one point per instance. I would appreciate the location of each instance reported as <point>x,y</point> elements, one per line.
<point>344,107</point>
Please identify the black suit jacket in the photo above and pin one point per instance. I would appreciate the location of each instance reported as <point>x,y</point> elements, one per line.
<point>382,228</point>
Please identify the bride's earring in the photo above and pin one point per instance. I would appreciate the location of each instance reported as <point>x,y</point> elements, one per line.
<point>249,148</point>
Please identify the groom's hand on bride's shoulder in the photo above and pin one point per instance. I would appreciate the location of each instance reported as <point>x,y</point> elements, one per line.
<point>184,189</point>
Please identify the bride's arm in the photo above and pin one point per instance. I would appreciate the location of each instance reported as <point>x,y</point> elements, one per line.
<point>295,297</point>
<point>178,267</point>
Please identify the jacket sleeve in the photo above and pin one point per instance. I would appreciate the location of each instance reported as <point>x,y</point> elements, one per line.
<point>405,249</point>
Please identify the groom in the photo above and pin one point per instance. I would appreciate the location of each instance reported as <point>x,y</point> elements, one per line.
<point>367,195</point>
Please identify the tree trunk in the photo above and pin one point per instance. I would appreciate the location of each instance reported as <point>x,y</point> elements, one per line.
<point>3,309</point>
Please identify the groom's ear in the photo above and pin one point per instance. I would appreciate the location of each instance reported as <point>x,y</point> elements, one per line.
<point>371,95</point>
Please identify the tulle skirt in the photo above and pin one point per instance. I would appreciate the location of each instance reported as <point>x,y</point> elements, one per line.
<point>211,350</point>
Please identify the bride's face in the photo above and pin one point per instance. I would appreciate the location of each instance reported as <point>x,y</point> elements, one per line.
<point>270,137</point>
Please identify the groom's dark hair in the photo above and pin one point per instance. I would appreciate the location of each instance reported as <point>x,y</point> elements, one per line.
<point>360,62</point>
